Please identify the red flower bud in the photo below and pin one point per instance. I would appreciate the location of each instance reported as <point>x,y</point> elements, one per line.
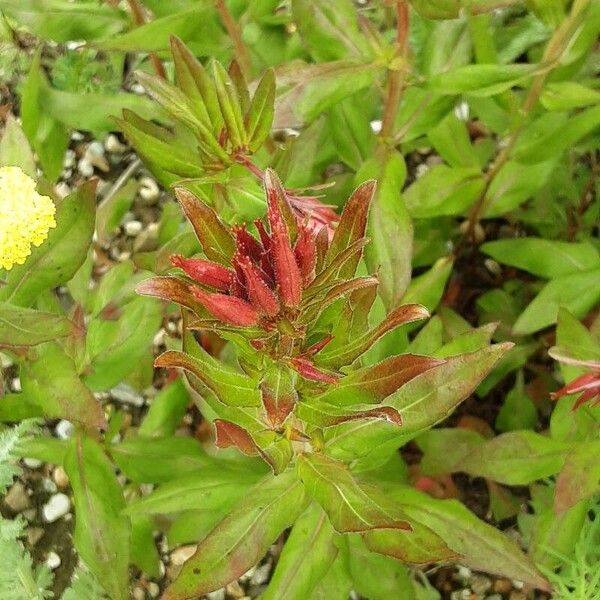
<point>247,245</point>
<point>305,252</point>
<point>228,309</point>
<point>203,271</point>
<point>259,293</point>
<point>287,273</point>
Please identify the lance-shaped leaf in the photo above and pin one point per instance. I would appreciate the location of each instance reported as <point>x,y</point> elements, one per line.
<point>51,381</point>
<point>242,538</point>
<point>230,386</point>
<point>228,434</point>
<point>277,197</point>
<point>28,327</point>
<point>171,289</point>
<point>193,80</point>
<point>349,254</point>
<point>372,384</point>
<point>480,545</point>
<point>350,352</point>
<point>101,532</point>
<point>352,506</point>
<point>323,414</point>
<point>278,392</point>
<point>352,226</point>
<point>210,488</point>
<point>422,402</point>
<point>230,105</point>
<point>259,118</point>
<point>217,243</point>
<point>421,545</point>
<point>307,556</point>
<point>580,476</point>
<point>516,458</point>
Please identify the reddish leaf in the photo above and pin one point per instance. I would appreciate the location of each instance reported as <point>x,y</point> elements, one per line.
<point>279,394</point>
<point>259,293</point>
<point>278,202</point>
<point>323,414</point>
<point>229,434</point>
<point>204,271</point>
<point>228,309</point>
<point>307,369</point>
<point>580,476</point>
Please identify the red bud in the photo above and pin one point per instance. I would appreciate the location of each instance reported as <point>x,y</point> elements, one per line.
<point>259,294</point>
<point>228,309</point>
<point>287,273</point>
<point>307,369</point>
<point>203,271</point>
<point>305,252</point>
<point>247,245</point>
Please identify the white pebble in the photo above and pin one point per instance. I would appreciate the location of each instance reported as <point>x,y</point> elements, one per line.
<point>32,463</point>
<point>137,88</point>
<point>149,190</point>
<point>49,486</point>
<point>69,159</point>
<point>376,126</point>
<point>113,145</point>
<point>133,228</point>
<point>62,189</point>
<point>85,168</point>
<point>15,384</point>
<point>64,429</point>
<point>56,507</point>
<point>53,561</point>
<point>126,394</point>
<point>261,574</point>
<point>463,572</point>
<point>216,595</point>
<point>182,554</point>
<point>153,589</point>
<point>77,136</point>
<point>461,111</point>
<point>96,149</point>
<point>421,170</point>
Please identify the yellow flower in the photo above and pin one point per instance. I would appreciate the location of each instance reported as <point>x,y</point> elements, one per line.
<point>25,216</point>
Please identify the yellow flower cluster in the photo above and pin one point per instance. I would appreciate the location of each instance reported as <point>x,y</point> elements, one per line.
<point>25,216</point>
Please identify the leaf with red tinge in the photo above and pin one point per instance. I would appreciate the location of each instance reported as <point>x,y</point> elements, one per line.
<point>229,434</point>
<point>352,225</point>
<point>230,386</point>
<point>374,383</point>
<point>171,289</point>
<point>350,352</point>
<point>307,369</point>
<point>352,506</point>
<point>205,272</point>
<point>229,309</point>
<point>242,538</point>
<point>323,414</point>
<point>279,394</point>
<point>580,476</point>
<point>278,202</point>
<point>217,243</point>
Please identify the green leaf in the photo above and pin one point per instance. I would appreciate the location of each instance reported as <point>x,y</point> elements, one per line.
<point>229,102</point>
<point>305,91</point>
<point>51,381</point>
<point>427,289</point>
<point>451,140</point>
<point>352,506</point>
<point>155,460</point>
<point>567,95</point>
<point>101,533</point>
<point>242,538</point>
<point>144,553</point>
<point>27,327</point>
<point>444,190</point>
<point>216,485</point>
<point>166,411</point>
<point>259,118</point>
<point>14,148</point>
<point>389,220</point>
<point>481,80</point>
<point>516,458</point>
<point>562,138</point>
<point>443,448</point>
<point>579,478</point>
<point>58,258</point>
<point>545,258</point>
<point>330,32</point>
<point>517,411</point>
<point>63,21</point>
<point>481,546</point>
<point>232,387</point>
<point>307,556</point>
<point>578,293</point>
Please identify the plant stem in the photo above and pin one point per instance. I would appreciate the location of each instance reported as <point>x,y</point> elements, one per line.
<point>139,19</point>
<point>395,86</point>
<point>556,46</point>
<point>235,33</point>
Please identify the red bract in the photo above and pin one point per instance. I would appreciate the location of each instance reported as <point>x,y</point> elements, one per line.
<point>204,271</point>
<point>229,309</point>
<point>588,385</point>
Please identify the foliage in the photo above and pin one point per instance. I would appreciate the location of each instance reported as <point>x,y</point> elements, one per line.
<point>412,159</point>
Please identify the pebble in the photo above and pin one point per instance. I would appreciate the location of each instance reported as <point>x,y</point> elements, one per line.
<point>518,585</point>
<point>461,594</point>
<point>261,574</point>
<point>127,395</point>
<point>64,429</point>
<point>147,240</point>
<point>60,477</point>
<point>183,553</point>
<point>77,136</point>
<point>492,266</point>
<point>32,463</point>
<point>235,589</point>
<point>463,573</point>
<point>153,589</point>
<point>69,160</point>
<point>138,88</point>
<point>15,384</point>
<point>53,561</point>
<point>517,595</point>
<point>503,586</point>
<point>85,168</point>
<point>149,191</point>
<point>133,228</point>
<point>34,535</point>
<point>114,145</point>
<point>376,126</point>
<point>461,111</point>
<point>49,486</point>
<point>58,506</point>
<point>421,170</point>
<point>480,584</point>
<point>17,499</point>
<point>216,595</point>
<point>138,594</point>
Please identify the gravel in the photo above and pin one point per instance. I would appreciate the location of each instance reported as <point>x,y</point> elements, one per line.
<point>58,506</point>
